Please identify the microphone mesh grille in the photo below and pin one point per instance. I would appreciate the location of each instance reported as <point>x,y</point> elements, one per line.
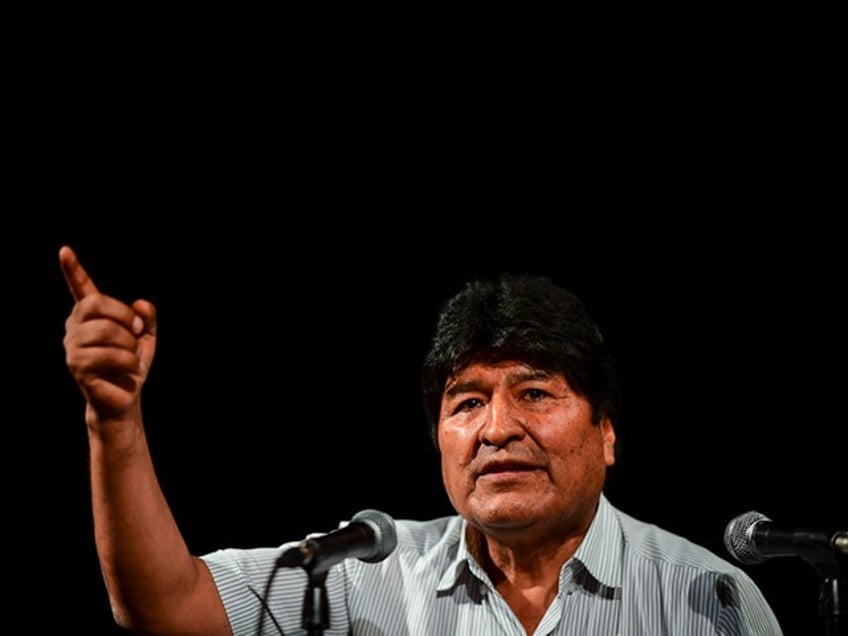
<point>738,537</point>
<point>384,528</point>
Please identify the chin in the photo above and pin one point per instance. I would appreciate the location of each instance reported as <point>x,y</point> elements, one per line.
<point>503,512</point>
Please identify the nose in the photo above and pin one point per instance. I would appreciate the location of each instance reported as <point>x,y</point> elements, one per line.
<point>502,422</point>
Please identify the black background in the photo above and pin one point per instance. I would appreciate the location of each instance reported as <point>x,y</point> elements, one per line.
<point>284,393</point>
<point>298,230</point>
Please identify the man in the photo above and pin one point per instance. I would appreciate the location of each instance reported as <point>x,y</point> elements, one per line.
<point>523,400</point>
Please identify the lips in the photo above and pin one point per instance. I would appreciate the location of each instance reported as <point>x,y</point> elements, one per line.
<point>491,467</point>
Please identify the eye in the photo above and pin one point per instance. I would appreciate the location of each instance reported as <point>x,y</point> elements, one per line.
<point>468,405</point>
<point>534,395</point>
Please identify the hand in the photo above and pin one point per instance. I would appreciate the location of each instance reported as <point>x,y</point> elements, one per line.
<point>109,345</point>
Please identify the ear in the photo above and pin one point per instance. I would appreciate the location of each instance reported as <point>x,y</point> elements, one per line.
<point>608,434</point>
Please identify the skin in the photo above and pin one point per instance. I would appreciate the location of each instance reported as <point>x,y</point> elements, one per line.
<point>523,463</point>
<point>155,585</point>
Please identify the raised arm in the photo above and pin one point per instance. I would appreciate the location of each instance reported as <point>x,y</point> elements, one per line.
<point>155,585</point>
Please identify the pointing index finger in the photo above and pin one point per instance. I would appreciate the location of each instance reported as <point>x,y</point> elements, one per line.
<point>76,277</point>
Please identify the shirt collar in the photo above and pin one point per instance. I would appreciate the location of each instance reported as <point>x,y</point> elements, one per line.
<point>462,561</point>
<point>601,549</point>
<point>599,552</point>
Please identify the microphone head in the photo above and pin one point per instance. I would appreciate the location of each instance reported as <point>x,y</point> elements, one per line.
<point>384,533</point>
<point>739,540</point>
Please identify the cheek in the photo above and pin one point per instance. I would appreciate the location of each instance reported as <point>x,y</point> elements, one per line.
<point>454,463</point>
<point>587,449</point>
<point>456,444</point>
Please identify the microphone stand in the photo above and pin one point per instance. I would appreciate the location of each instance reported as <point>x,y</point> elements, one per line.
<point>832,607</point>
<point>833,603</point>
<point>316,611</point>
<point>315,617</point>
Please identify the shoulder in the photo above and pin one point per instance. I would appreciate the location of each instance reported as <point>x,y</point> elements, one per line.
<point>652,552</point>
<point>651,542</point>
<point>656,560</point>
<point>424,536</point>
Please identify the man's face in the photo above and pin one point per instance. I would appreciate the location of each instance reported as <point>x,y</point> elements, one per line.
<point>519,450</point>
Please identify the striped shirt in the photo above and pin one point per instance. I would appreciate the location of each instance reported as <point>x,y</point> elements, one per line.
<point>627,577</point>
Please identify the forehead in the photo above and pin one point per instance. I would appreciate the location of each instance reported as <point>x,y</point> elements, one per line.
<point>511,371</point>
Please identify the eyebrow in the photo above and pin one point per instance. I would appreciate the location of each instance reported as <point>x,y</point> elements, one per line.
<point>470,386</point>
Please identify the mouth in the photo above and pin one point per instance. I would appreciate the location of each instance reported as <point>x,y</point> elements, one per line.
<point>506,469</point>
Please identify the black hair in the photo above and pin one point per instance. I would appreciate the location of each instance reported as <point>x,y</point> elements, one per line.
<point>527,318</point>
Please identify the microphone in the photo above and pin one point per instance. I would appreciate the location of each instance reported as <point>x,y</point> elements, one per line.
<point>752,538</point>
<point>369,536</point>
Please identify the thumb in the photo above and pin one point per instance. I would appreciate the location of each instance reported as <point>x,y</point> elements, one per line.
<point>147,337</point>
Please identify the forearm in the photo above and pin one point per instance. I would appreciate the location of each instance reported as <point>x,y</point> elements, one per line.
<point>154,583</point>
